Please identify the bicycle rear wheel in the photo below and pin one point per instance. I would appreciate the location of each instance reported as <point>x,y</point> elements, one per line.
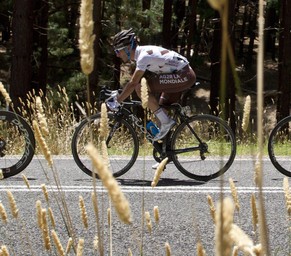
<point>209,158</point>
<point>122,144</point>
<point>279,146</point>
<point>17,143</point>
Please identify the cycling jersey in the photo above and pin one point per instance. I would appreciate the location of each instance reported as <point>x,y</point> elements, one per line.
<point>158,60</point>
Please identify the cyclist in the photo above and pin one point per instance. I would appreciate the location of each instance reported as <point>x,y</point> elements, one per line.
<point>167,73</point>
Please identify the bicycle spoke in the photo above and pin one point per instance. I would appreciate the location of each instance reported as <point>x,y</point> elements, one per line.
<point>122,145</point>
<point>210,158</point>
<point>17,143</point>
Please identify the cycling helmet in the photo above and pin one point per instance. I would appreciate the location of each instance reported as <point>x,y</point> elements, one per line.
<point>124,38</point>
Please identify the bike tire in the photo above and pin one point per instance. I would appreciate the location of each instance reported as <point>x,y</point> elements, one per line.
<point>217,137</point>
<point>279,146</point>
<point>122,144</point>
<point>17,143</point>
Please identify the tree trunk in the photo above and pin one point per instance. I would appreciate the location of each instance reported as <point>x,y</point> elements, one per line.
<point>5,24</point>
<point>191,25</point>
<point>116,60</point>
<point>215,57</point>
<point>21,71</point>
<point>270,32</point>
<point>230,86</point>
<point>228,103</point>
<point>72,16</point>
<point>146,5</point>
<point>252,35</point>
<point>283,105</point>
<point>242,33</point>
<point>167,21</point>
<point>39,79</point>
<point>179,11</point>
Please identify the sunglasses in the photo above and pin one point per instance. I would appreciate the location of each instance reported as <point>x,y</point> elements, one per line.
<point>117,51</point>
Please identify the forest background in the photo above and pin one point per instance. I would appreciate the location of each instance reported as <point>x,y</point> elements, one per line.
<point>39,48</point>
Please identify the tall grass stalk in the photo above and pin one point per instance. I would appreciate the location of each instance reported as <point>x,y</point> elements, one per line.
<point>260,89</point>
<point>59,196</point>
<point>144,99</point>
<point>222,7</point>
<point>118,199</point>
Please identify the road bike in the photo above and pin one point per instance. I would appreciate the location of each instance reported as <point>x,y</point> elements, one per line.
<point>17,143</point>
<point>279,146</point>
<point>202,147</point>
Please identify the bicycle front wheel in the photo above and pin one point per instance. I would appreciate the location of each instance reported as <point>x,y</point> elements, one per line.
<point>207,155</point>
<point>122,144</point>
<point>17,143</point>
<point>279,146</point>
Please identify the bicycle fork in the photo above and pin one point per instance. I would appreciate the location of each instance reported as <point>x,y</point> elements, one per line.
<point>203,147</point>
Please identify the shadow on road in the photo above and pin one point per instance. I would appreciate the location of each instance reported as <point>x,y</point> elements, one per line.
<point>162,182</point>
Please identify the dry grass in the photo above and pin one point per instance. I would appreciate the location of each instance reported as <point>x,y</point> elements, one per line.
<point>230,239</point>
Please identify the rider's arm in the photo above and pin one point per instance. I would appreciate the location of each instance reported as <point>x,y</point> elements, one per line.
<point>130,86</point>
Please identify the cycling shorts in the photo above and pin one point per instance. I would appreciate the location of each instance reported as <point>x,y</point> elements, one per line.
<point>177,81</point>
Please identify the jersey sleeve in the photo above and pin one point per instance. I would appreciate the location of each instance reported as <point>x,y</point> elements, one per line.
<point>143,62</point>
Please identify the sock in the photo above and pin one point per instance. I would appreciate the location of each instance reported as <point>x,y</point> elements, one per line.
<point>162,116</point>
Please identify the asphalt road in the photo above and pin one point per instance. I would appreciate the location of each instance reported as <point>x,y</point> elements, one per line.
<point>184,212</point>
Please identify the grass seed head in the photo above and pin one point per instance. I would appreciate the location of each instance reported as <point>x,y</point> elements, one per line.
<point>51,216</point>
<point>3,213</point>
<point>25,181</point>
<point>241,239</point>
<point>104,126</point>
<point>45,230</point>
<point>200,250</point>
<point>5,94</point>
<point>96,243</point>
<point>168,249</point>
<point>86,36</point>
<point>212,207</point>
<point>4,251</point>
<point>58,244</point>
<point>80,247</point>
<point>148,221</point>
<point>223,225</point>
<point>83,212</point>
<point>144,93</point>
<point>13,206</point>
<point>234,194</point>
<point>69,245</point>
<point>156,214</point>
<point>246,114</point>
<point>45,192</point>
<point>159,171</point>
<point>39,213</point>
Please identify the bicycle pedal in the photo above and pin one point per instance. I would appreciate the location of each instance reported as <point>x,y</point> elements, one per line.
<point>156,165</point>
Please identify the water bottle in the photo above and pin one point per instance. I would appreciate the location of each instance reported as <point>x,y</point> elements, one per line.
<point>152,128</point>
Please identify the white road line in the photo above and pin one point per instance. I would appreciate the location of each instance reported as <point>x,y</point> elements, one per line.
<point>140,189</point>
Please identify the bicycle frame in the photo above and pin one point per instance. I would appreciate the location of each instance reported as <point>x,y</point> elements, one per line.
<point>160,147</point>
<point>134,120</point>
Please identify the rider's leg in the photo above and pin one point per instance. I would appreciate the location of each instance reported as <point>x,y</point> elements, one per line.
<point>169,98</point>
<point>166,123</point>
<point>169,84</point>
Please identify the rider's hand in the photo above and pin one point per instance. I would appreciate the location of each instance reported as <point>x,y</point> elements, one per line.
<point>112,102</point>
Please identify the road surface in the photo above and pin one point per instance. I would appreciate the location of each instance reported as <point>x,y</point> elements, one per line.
<point>182,202</point>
